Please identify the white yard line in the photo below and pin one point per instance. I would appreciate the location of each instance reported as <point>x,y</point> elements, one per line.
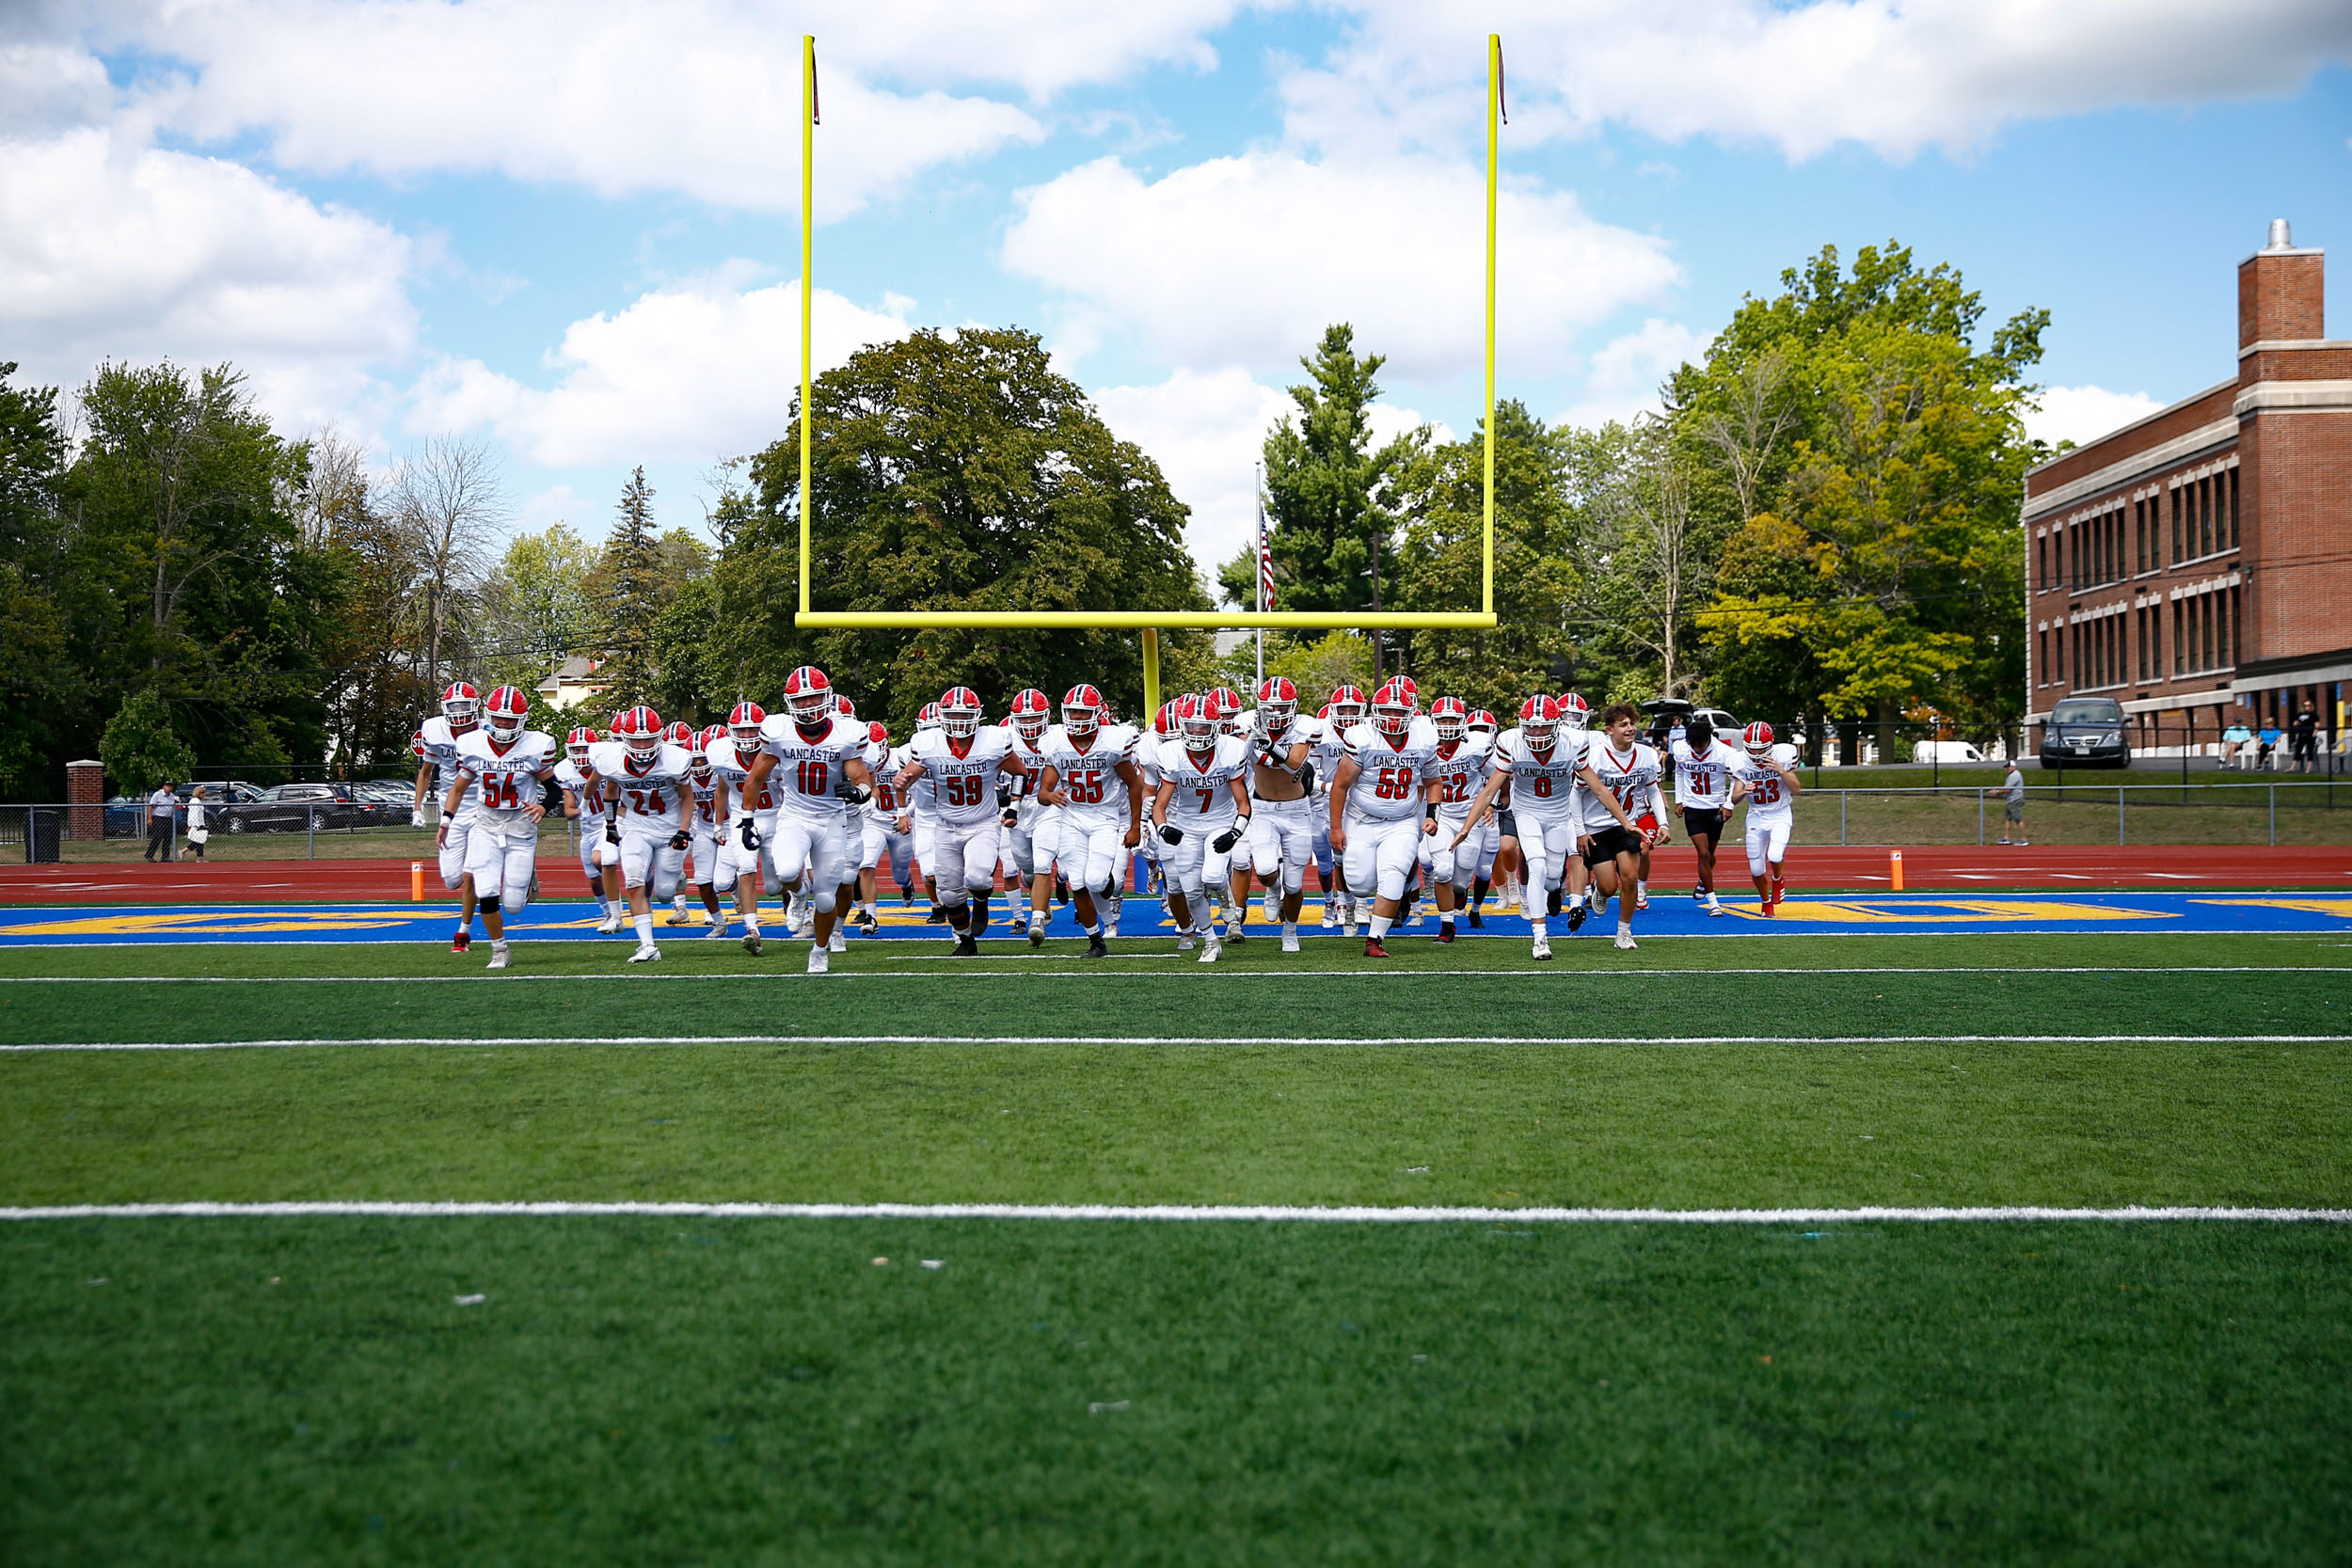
<point>1340,1040</point>
<point>1197,972</point>
<point>1356,1214</point>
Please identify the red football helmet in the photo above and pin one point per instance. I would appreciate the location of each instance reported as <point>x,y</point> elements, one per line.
<point>577,743</point>
<point>711,736</point>
<point>1483,721</point>
<point>808,695</point>
<point>1392,711</point>
<point>638,731</point>
<point>842,705</point>
<point>1575,711</point>
<point>1081,711</point>
<point>960,712</point>
<point>697,745</point>
<point>461,704</point>
<point>508,708</point>
<point>879,733</point>
<point>1196,720</point>
<point>1347,707</point>
<point>927,719</point>
<point>1227,704</point>
<point>1408,690</point>
<point>1452,717</point>
<point>680,732</point>
<point>1031,713</point>
<point>1539,721</point>
<point>1277,705</point>
<point>1757,737</point>
<point>743,729</point>
<point>1164,722</point>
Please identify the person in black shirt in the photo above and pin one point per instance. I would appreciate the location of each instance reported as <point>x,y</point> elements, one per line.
<point>2303,739</point>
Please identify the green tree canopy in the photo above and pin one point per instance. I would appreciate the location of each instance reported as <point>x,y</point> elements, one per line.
<point>139,749</point>
<point>953,470</point>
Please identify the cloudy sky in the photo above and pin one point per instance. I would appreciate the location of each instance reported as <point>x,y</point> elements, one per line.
<point>571,226</point>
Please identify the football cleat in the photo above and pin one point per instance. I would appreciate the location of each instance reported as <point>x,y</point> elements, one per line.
<point>1095,948</point>
<point>610,924</point>
<point>1372,948</point>
<point>1476,924</point>
<point>498,955</point>
<point>819,960</point>
<point>1234,935</point>
<point>1625,941</point>
<point>1211,950</point>
<point>1330,916</point>
<point>1711,906</point>
<point>462,940</point>
<point>750,941</point>
<point>938,915</point>
<point>869,923</point>
<point>1576,919</point>
<point>1641,900</point>
<point>1037,930</point>
<point>678,917</point>
<point>966,948</point>
<point>1445,931</point>
<point>1290,936</point>
<point>1541,950</point>
<point>1186,942</point>
<point>717,932</point>
<point>1767,907</point>
<point>646,954</point>
<point>1347,924</point>
<point>836,943</point>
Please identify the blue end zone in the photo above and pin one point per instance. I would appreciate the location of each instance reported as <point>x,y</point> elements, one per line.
<point>1865,915</point>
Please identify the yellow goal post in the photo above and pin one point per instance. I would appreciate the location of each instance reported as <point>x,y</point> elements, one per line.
<point>1148,622</point>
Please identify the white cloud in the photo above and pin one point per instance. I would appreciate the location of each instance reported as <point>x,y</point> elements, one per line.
<point>1244,260</point>
<point>1893,75</point>
<point>1625,373</point>
<point>2080,414</point>
<point>47,87</point>
<point>108,249</point>
<point>691,373</point>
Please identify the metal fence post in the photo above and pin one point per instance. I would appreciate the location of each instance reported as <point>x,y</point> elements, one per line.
<point>1979,819</point>
<point>310,829</point>
<point>1841,817</point>
<point>2274,816</point>
<point>2118,815</point>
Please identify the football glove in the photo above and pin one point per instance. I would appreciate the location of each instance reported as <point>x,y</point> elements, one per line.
<point>612,827</point>
<point>1231,836</point>
<point>416,819</point>
<point>745,833</point>
<point>1170,833</point>
<point>680,839</point>
<point>856,794</point>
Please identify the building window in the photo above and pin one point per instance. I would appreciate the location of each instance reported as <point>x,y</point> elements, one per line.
<point>2229,505</point>
<point>2179,554</point>
<point>2233,639</point>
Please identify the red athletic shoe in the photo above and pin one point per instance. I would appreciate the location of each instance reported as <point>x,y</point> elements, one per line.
<point>1768,911</point>
<point>1780,891</point>
<point>462,940</point>
<point>1372,948</point>
<point>1445,933</point>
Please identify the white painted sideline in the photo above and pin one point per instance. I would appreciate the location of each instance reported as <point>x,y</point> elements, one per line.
<point>458,1041</point>
<point>1343,1215</point>
<point>510,977</point>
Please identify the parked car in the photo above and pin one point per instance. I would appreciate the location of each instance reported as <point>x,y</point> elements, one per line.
<point>2085,732</point>
<point>392,792</point>
<point>297,807</point>
<point>1666,712</point>
<point>1946,750</point>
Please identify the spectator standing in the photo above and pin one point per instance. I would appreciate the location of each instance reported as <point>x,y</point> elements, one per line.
<point>2268,739</point>
<point>2012,794</point>
<point>198,832</point>
<point>162,808</point>
<point>2303,737</point>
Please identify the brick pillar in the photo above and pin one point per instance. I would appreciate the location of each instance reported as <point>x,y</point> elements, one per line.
<point>86,789</point>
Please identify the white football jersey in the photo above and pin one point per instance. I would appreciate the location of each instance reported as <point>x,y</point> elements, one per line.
<point>1147,758</point>
<point>966,781</point>
<point>1704,779</point>
<point>1631,776</point>
<point>585,786</point>
<point>808,773</point>
<point>1767,797</point>
<point>735,769</point>
<point>1545,787</point>
<point>649,794</point>
<point>706,785</point>
<point>1202,801</point>
<point>888,800</point>
<point>1090,781</point>
<point>506,783</point>
<point>1393,770</point>
<point>1460,771</point>
<point>434,743</point>
<point>1025,805</point>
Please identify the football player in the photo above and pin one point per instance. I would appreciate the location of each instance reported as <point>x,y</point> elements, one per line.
<point>1343,713</point>
<point>883,837</point>
<point>1768,782</point>
<point>702,852</point>
<point>1090,776</point>
<point>509,772</point>
<point>1703,770</point>
<point>920,816</point>
<point>1281,841</point>
<point>1200,811</point>
<point>818,760</point>
<point>1383,803</point>
<point>681,734</point>
<point>962,758</point>
<point>649,805</point>
<point>583,802</point>
<point>1541,764</point>
<point>1459,768</point>
<point>1620,778</point>
<point>436,747</point>
<point>1032,826</point>
<point>1483,730</point>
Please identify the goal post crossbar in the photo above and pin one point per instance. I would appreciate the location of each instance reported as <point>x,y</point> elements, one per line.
<point>1144,620</point>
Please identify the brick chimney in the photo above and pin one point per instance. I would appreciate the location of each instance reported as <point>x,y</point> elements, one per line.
<point>2281,295</point>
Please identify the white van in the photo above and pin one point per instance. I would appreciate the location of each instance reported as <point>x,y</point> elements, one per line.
<point>1946,750</point>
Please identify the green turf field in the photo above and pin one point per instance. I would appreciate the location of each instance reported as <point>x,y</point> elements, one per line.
<point>676,1389</point>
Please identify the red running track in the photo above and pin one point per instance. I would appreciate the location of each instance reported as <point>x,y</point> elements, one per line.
<point>1966,868</point>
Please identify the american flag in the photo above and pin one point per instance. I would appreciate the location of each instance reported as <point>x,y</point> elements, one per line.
<point>1265,560</point>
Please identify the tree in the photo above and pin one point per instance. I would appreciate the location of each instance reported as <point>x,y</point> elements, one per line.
<point>954,471</point>
<point>1327,530</point>
<point>450,503</point>
<point>535,606</point>
<point>1661,546</point>
<point>1439,492</point>
<point>38,685</point>
<point>139,749</point>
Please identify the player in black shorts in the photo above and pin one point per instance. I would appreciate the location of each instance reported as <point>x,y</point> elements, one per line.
<point>1703,768</point>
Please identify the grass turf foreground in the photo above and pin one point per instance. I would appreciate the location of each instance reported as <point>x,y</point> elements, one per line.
<point>761,1391</point>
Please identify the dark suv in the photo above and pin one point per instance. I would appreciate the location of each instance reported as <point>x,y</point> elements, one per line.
<point>293,808</point>
<point>2085,732</point>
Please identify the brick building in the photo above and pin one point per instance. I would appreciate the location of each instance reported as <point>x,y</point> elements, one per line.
<point>2197,564</point>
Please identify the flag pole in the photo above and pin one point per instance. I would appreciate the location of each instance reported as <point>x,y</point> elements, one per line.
<point>808,285</point>
<point>1265,595</point>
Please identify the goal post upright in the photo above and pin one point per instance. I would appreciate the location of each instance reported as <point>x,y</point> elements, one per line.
<point>1494,110</point>
<point>808,282</point>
